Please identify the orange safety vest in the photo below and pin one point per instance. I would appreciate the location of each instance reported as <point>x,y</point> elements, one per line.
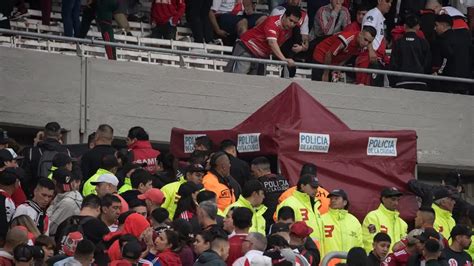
<point>225,195</point>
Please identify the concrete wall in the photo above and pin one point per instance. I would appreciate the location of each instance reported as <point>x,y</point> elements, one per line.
<point>38,87</point>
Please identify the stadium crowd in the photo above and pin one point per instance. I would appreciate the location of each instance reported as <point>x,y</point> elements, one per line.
<point>142,207</point>
<point>424,36</point>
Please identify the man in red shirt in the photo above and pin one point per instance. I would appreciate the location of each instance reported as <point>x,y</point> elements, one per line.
<point>264,40</point>
<point>337,49</point>
<point>356,25</point>
<point>242,220</point>
<point>165,16</point>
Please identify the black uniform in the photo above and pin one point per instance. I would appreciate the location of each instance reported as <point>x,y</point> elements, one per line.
<point>274,186</point>
<point>92,159</point>
<point>410,54</point>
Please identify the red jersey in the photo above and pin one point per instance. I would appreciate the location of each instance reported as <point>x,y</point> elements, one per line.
<point>354,26</point>
<point>164,10</point>
<point>256,39</point>
<point>235,248</point>
<point>399,258</point>
<point>342,47</point>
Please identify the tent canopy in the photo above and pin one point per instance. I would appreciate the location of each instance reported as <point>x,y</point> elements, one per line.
<point>298,129</point>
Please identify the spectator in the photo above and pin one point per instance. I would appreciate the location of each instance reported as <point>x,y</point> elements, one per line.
<point>410,54</point>
<point>206,215</point>
<point>273,184</point>
<point>194,173</point>
<point>14,237</point>
<point>84,254</point>
<point>105,13</point>
<point>342,230</point>
<point>124,175</point>
<point>131,254</point>
<point>239,169</point>
<point>197,15</point>
<point>203,143</point>
<point>47,245</point>
<point>281,253</point>
<point>216,255</point>
<point>304,204</point>
<point>9,181</point>
<point>93,228</point>
<point>159,219</point>
<point>299,234</point>
<point>165,17</point>
<point>139,147</point>
<point>401,255</point>
<point>451,55</point>
<point>60,161</point>
<point>202,242</point>
<point>92,160</point>
<point>252,198</point>
<point>110,207</point>
<point>6,9</point>
<point>443,206</point>
<point>297,46</point>
<point>186,239</point>
<point>25,222</point>
<point>338,49</point>
<point>153,198</point>
<point>427,20</point>
<point>68,200</point>
<point>165,171</point>
<point>186,205</point>
<point>461,240</point>
<point>36,208</point>
<point>242,221</point>
<point>141,181</point>
<point>380,247</point>
<point>375,54</point>
<point>356,25</point>
<point>24,254</point>
<point>384,219</point>
<point>70,11</point>
<point>139,206</point>
<point>432,252</point>
<point>7,160</point>
<point>108,166</point>
<point>46,148</point>
<point>330,19</point>
<point>425,217</point>
<point>264,40</point>
<point>163,250</point>
<point>218,181</point>
<point>136,225</point>
<point>253,248</point>
<point>356,257</point>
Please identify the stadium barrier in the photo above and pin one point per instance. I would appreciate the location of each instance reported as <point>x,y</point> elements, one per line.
<point>266,62</point>
<point>333,255</point>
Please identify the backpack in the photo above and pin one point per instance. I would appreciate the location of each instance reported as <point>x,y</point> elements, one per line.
<point>46,162</point>
<point>72,224</point>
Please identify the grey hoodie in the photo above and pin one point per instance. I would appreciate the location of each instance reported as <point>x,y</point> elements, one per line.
<point>63,206</point>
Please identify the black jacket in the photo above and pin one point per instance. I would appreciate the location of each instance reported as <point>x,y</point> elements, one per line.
<point>239,170</point>
<point>274,186</point>
<point>209,257</point>
<point>92,159</point>
<point>372,260</point>
<point>410,54</point>
<point>32,156</point>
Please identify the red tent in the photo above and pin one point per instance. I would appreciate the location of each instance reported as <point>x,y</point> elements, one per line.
<point>298,129</point>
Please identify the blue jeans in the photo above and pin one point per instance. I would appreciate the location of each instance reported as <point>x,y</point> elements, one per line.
<point>70,11</point>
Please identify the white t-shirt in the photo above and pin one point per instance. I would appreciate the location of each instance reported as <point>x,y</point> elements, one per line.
<point>303,22</point>
<point>375,19</point>
<point>223,6</point>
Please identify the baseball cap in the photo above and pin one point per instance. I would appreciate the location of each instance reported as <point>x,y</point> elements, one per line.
<point>413,236</point>
<point>301,229</point>
<point>339,193</point>
<point>153,194</point>
<point>433,245</point>
<point>306,179</point>
<point>53,126</point>
<point>444,193</point>
<point>132,250</point>
<point>188,188</point>
<point>460,230</point>
<point>106,178</point>
<point>63,176</point>
<point>391,192</point>
<point>309,168</point>
<point>3,136</point>
<point>6,155</point>
<point>61,159</point>
<point>428,233</point>
<point>8,177</point>
<point>195,168</point>
<point>279,227</point>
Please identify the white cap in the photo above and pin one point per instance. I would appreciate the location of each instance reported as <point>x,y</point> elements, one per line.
<point>106,178</point>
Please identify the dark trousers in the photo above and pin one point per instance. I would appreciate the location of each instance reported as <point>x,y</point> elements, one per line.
<point>70,11</point>
<point>108,35</point>
<point>197,15</point>
<point>165,31</point>
<point>88,14</point>
<point>46,11</point>
<point>5,24</point>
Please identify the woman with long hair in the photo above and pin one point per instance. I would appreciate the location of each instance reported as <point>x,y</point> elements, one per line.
<point>186,206</point>
<point>164,249</point>
<point>26,221</point>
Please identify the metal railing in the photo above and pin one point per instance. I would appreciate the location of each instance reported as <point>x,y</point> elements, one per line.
<point>333,255</point>
<point>181,53</point>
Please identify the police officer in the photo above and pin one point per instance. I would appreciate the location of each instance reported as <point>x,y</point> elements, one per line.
<point>443,205</point>
<point>342,230</point>
<point>384,219</point>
